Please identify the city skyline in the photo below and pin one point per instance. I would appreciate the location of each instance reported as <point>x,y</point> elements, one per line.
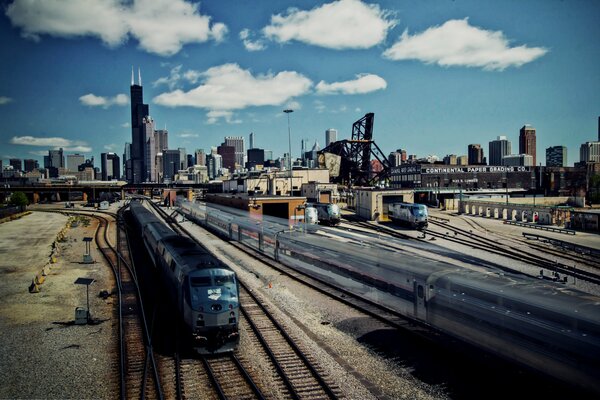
<point>211,74</point>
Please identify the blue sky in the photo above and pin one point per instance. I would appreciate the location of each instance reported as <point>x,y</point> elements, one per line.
<point>437,74</point>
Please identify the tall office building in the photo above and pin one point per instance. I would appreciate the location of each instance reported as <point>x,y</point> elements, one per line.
<point>137,172</point>
<point>251,141</point>
<point>527,141</point>
<point>330,136</point>
<point>599,129</point>
<point>475,154</point>
<point>56,158</point>
<point>171,163</point>
<point>149,150</point>
<point>126,159</point>
<point>450,159</point>
<point>182,158</point>
<point>110,165</point>
<point>30,165</point>
<point>214,164</point>
<point>16,163</point>
<point>74,161</point>
<point>556,156</point>
<point>498,149</point>
<point>161,140</point>
<point>240,152</point>
<point>200,157</point>
<point>518,160</point>
<point>589,152</point>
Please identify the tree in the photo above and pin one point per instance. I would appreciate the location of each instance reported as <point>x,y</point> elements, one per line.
<point>19,199</point>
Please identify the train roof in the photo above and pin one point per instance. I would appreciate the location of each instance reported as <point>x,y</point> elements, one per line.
<point>190,255</point>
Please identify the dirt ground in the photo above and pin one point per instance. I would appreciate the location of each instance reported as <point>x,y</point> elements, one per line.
<point>45,355</point>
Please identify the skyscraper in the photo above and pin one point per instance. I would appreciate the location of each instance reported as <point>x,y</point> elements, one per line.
<point>16,163</point>
<point>56,158</point>
<point>30,165</point>
<point>139,111</point>
<point>110,165</point>
<point>74,161</point>
<point>149,150</point>
<point>475,153</point>
<point>498,149</point>
<point>170,163</point>
<point>527,141</point>
<point>251,140</point>
<point>556,156</point>
<point>330,136</point>
<point>589,152</point>
<point>200,157</point>
<point>240,152</point>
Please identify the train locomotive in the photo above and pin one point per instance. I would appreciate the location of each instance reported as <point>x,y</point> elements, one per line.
<point>545,326</point>
<point>327,213</point>
<point>203,289</point>
<point>414,215</point>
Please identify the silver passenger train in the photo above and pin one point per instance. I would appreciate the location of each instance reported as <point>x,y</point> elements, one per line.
<point>542,325</point>
<point>414,215</point>
<point>204,290</point>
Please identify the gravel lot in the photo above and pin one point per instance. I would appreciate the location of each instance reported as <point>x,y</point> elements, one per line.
<point>44,354</point>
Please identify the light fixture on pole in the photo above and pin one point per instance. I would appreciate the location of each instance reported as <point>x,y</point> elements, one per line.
<point>288,111</point>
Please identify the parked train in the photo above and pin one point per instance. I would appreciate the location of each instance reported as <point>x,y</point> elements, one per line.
<point>204,290</point>
<point>414,215</point>
<point>327,213</point>
<point>542,325</point>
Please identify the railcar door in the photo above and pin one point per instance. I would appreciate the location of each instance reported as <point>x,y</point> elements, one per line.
<point>420,309</point>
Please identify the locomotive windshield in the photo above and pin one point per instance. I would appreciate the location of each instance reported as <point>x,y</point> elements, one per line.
<point>419,211</point>
<point>334,209</point>
<point>213,286</point>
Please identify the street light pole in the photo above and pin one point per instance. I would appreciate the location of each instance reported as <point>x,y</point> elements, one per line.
<point>288,111</point>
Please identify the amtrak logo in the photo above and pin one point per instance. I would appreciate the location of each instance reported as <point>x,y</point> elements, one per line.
<point>214,294</point>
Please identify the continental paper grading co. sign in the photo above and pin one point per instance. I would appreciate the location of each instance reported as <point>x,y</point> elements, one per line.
<point>418,169</point>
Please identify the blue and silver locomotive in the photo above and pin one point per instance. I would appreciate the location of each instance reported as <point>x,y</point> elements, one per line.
<point>204,290</point>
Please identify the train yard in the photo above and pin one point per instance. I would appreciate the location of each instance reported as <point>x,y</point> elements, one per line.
<point>288,349</point>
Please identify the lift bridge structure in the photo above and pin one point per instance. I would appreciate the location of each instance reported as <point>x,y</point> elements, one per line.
<point>349,160</point>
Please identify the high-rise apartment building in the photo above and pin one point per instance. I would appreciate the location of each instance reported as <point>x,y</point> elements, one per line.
<point>475,154</point>
<point>589,152</point>
<point>240,152</point>
<point>74,161</point>
<point>498,149</point>
<point>330,136</point>
<point>556,156</point>
<point>110,165</point>
<point>527,141</point>
<point>30,165</point>
<point>137,172</point>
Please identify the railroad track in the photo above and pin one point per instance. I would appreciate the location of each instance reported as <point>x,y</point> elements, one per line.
<point>137,367</point>
<point>299,373</point>
<point>465,237</point>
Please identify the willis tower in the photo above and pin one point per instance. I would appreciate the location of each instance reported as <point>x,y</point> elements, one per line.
<point>136,167</point>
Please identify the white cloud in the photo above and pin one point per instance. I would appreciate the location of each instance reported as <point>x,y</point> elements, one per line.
<point>320,106</point>
<point>456,43</point>
<point>5,100</point>
<point>78,149</point>
<point>192,76</point>
<point>99,101</point>
<point>39,153</point>
<point>126,125</point>
<point>188,135</point>
<point>364,83</point>
<point>229,87</point>
<point>110,147</point>
<point>53,142</point>
<point>172,80</point>
<point>344,24</point>
<point>227,116</point>
<point>160,26</point>
<point>249,44</point>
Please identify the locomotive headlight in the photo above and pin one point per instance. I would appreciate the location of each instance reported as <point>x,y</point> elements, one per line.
<point>231,306</point>
<point>232,314</point>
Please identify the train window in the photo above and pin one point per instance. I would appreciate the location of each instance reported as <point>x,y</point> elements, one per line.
<point>420,291</point>
<point>200,281</point>
<point>222,280</point>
